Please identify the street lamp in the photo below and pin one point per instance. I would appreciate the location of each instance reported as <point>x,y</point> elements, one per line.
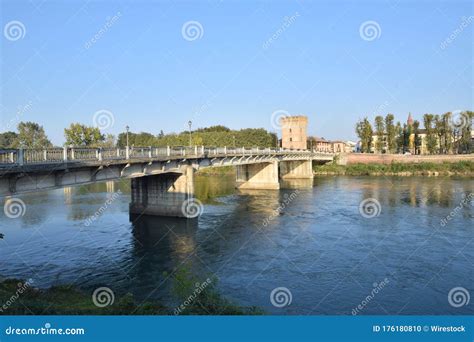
<point>126,130</point>
<point>190,123</point>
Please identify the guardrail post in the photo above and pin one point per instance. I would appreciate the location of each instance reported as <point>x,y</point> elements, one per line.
<point>127,152</point>
<point>99,153</point>
<point>168,151</point>
<point>195,150</point>
<point>202,149</point>
<point>150,153</point>
<point>65,154</point>
<point>183,151</point>
<point>118,152</point>
<point>225,149</point>
<point>72,153</point>
<point>20,157</point>
<point>45,155</point>
<point>243,150</point>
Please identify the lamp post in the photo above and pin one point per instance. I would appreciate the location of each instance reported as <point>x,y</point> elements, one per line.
<point>127,149</point>
<point>190,123</point>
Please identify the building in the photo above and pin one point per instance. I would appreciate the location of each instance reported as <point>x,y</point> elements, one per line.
<point>337,146</point>
<point>293,132</point>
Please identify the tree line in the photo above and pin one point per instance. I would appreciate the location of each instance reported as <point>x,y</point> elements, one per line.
<point>32,135</point>
<point>443,134</point>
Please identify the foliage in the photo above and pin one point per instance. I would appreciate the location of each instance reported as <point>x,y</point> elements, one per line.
<point>8,140</point>
<point>364,132</point>
<point>379,131</point>
<point>82,135</point>
<point>32,135</point>
<point>391,133</point>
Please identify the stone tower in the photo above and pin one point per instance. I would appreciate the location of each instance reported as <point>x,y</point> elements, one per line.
<point>293,132</point>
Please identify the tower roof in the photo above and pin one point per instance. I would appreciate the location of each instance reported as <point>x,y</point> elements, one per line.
<point>410,120</point>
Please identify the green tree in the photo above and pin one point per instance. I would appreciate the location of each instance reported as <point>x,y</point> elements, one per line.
<point>391,133</point>
<point>399,137</point>
<point>417,140</point>
<point>8,140</point>
<point>82,135</point>
<point>380,132</point>
<point>32,135</point>
<point>364,132</point>
<point>431,142</point>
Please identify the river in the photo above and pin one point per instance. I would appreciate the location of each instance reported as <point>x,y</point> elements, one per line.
<point>309,238</point>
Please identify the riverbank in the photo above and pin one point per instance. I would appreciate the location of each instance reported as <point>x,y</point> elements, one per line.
<point>19,297</point>
<point>460,168</point>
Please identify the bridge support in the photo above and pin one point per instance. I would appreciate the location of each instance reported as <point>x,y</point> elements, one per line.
<point>258,176</point>
<point>296,169</point>
<point>163,194</point>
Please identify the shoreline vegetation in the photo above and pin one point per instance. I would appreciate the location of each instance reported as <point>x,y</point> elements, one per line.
<point>461,168</point>
<point>19,297</point>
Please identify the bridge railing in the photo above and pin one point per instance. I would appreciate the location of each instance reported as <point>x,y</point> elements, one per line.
<point>77,154</point>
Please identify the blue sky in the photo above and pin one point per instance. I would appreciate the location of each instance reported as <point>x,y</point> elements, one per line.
<point>250,60</point>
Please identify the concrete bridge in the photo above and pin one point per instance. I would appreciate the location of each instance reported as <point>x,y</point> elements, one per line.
<point>162,178</point>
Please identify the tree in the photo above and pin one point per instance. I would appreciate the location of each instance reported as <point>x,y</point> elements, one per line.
<point>399,137</point>
<point>391,133</point>
<point>431,142</point>
<point>8,140</point>
<point>364,132</point>
<point>417,139</point>
<point>82,135</point>
<point>109,141</point>
<point>464,128</point>
<point>380,132</point>
<point>32,135</point>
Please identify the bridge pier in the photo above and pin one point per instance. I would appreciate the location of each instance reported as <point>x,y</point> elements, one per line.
<point>296,169</point>
<point>260,176</point>
<point>162,194</point>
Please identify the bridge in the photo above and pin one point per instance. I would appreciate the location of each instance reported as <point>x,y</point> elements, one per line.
<point>162,178</point>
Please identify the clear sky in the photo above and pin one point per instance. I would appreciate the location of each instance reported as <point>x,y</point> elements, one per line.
<point>250,59</point>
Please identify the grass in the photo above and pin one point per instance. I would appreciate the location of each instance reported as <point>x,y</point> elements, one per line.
<point>216,171</point>
<point>19,298</point>
<point>463,168</point>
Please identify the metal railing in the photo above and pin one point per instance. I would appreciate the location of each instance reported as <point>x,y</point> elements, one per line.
<point>15,157</point>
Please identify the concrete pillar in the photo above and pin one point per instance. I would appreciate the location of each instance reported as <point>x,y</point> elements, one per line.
<point>164,194</point>
<point>258,176</point>
<point>297,169</point>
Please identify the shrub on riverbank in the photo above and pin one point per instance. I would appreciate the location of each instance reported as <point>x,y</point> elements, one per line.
<point>461,168</point>
<point>18,297</point>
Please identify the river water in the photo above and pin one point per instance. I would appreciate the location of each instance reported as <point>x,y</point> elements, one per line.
<point>309,238</point>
